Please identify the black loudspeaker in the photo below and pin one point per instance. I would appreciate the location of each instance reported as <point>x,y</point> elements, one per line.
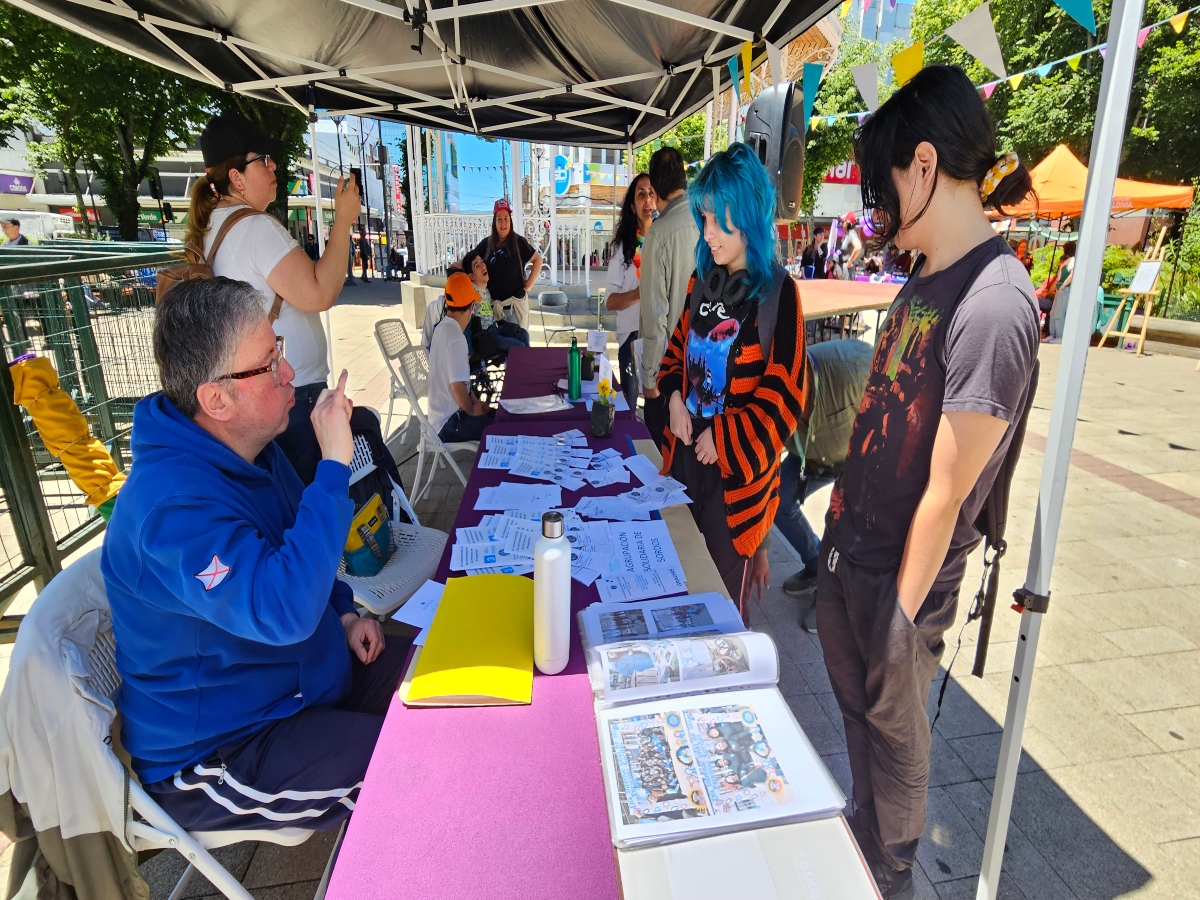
<point>775,130</point>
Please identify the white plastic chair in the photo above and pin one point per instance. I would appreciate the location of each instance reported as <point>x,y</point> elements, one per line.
<point>413,363</point>
<point>554,302</point>
<point>392,337</point>
<point>147,825</point>
<point>416,550</point>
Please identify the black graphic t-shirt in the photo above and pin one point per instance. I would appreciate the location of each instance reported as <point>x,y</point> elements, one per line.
<point>961,340</point>
<point>714,336</point>
<point>506,270</point>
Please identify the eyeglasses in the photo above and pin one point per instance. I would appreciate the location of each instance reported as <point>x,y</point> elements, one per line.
<point>272,366</point>
<point>264,158</point>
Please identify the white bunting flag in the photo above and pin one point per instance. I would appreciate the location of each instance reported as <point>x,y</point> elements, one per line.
<point>866,78</point>
<point>775,58</point>
<point>977,35</point>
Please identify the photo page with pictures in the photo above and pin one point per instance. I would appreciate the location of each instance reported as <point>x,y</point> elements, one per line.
<point>683,767</point>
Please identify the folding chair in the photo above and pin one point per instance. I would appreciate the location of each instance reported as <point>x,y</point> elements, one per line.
<point>416,551</point>
<point>392,337</point>
<point>58,618</point>
<point>414,372</point>
<point>554,302</point>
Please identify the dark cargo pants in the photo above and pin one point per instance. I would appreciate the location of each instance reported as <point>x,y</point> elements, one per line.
<point>881,666</point>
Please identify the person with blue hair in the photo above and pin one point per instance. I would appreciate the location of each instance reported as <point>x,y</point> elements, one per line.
<point>734,373</point>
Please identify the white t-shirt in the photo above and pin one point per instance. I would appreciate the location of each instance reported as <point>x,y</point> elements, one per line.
<point>249,253</point>
<point>623,277</point>
<point>448,363</point>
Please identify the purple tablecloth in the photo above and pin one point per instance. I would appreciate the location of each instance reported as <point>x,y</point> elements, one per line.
<point>535,372</point>
<point>503,803</point>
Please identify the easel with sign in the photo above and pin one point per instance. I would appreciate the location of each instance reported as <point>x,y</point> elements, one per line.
<point>1140,293</point>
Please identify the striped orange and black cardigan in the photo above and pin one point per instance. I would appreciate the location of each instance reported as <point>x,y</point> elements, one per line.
<point>762,408</point>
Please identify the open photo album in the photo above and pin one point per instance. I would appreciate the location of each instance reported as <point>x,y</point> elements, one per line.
<point>685,767</point>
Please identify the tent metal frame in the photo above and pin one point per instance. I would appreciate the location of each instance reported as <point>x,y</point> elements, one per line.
<point>415,103</point>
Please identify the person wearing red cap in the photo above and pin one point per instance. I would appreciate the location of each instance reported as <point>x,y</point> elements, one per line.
<point>506,254</point>
<point>454,412</point>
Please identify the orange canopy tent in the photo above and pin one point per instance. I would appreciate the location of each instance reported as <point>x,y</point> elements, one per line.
<point>1060,180</point>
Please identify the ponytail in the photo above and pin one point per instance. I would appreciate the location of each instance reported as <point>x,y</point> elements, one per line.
<point>1011,189</point>
<point>206,194</point>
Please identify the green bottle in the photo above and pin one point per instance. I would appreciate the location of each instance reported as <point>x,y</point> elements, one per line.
<point>574,390</point>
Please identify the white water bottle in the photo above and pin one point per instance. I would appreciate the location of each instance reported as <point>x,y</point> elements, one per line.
<point>551,597</point>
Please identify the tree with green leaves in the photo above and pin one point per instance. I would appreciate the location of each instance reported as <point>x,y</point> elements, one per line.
<point>687,137</point>
<point>98,104</point>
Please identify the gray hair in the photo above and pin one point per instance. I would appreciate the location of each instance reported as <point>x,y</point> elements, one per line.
<point>197,330</point>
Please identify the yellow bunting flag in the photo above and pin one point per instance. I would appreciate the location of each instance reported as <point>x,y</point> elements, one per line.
<point>908,62</point>
<point>814,123</point>
<point>747,52</point>
<point>1073,62</point>
<point>846,8</point>
<point>1015,81</point>
<point>1178,21</point>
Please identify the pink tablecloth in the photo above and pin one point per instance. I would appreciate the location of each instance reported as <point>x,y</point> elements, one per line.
<point>535,372</point>
<point>505,803</point>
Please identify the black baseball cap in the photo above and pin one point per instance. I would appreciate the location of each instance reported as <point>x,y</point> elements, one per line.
<point>230,135</point>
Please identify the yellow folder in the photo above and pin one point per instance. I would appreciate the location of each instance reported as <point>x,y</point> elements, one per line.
<point>479,650</point>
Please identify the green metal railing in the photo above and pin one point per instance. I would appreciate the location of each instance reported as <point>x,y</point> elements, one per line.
<point>88,306</point>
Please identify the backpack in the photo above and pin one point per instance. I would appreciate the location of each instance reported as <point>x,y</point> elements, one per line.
<point>200,267</point>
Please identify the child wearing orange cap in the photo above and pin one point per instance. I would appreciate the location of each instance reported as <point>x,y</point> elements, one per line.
<point>454,411</point>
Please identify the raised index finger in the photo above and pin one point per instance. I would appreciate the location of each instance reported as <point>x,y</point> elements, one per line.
<point>341,385</point>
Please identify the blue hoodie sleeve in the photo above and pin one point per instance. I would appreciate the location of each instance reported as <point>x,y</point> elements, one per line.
<point>213,560</point>
<point>341,598</point>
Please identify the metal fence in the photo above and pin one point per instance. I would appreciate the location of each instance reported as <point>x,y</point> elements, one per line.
<point>88,307</point>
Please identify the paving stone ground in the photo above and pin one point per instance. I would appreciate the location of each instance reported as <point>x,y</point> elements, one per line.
<point>1107,802</point>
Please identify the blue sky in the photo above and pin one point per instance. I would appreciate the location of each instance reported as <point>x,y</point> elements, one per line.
<point>477,189</point>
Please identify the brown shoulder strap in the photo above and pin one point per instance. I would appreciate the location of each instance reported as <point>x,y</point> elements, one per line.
<point>276,306</point>
<point>232,219</point>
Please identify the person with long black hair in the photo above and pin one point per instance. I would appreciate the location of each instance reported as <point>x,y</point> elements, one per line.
<point>506,253</point>
<point>624,290</point>
<point>948,380</point>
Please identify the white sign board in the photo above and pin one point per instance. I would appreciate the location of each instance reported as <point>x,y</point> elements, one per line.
<point>1145,276</point>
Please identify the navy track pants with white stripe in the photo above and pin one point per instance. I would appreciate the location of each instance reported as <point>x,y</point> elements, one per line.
<point>301,772</point>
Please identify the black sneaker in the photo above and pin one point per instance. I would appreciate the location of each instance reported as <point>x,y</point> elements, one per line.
<point>808,620</point>
<point>803,582</point>
<point>894,884</point>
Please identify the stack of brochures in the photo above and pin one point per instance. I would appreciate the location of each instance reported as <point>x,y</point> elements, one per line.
<point>694,737</point>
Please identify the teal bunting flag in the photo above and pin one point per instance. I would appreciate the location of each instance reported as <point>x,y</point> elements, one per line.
<point>1081,11</point>
<point>1043,71</point>
<point>733,74</point>
<point>812,81</point>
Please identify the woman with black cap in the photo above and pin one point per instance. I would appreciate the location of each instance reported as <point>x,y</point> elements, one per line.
<point>229,205</point>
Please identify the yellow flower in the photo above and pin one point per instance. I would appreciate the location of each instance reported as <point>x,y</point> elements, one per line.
<point>605,391</point>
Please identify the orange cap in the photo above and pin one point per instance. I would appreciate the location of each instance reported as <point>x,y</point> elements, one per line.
<point>460,291</point>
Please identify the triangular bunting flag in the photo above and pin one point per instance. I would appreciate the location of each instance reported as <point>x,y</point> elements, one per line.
<point>989,89</point>
<point>733,76</point>
<point>977,35</point>
<point>829,120</point>
<point>892,5</point>
<point>1080,11</point>
<point>814,123</point>
<point>1044,70</point>
<point>1104,51</point>
<point>1178,21</point>
<point>775,58</point>
<point>747,56</point>
<point>845,8</point>
<point>1015,81</point>
<point>811,81</point>
<point>861,118</point>
<point>1142,35</point>
<point>866,79</point>
<point>908,62</point>
<point>866,6</point>
<point>1073,62</point>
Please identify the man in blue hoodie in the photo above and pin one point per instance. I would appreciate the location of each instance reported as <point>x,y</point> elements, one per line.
<point>252,695</point>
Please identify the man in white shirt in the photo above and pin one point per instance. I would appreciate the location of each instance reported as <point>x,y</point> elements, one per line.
<point>454,411</point>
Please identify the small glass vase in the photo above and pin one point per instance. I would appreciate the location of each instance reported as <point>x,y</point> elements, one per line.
<point>603,415</point>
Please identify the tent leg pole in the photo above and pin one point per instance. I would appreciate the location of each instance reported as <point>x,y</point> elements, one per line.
<point>316,167</point>
<point>1112,109</point>
<point>553,215</point>
<point>518,200</point>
